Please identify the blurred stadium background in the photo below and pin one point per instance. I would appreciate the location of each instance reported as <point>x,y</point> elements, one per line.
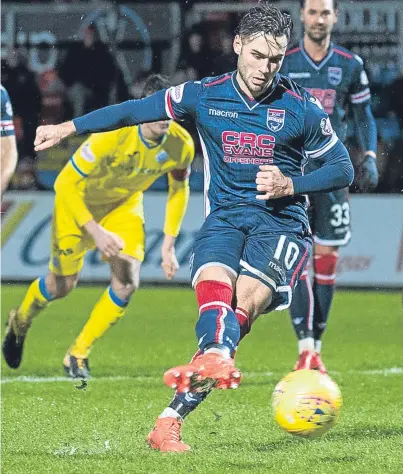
<point>50,79</point>
<point>41,62</point>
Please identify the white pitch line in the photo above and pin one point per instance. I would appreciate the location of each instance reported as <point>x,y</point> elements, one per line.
<point>118,378</point>
<point>112,378</point>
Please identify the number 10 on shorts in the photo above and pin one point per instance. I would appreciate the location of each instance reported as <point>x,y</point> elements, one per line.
<point>289,254</point>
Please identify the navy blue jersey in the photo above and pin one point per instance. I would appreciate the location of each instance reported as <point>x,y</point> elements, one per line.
<point>285,127</point>
<point>238,133</point>
<point>338,81</point>
<point>6,120</point>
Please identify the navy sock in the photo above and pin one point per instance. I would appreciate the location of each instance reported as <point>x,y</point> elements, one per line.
<point>323,290</point>
<point>302,307</point>
<point>217,325</point>
<point>185,403</point>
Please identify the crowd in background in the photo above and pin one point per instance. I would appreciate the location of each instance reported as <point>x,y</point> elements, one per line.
<point>88,77</point>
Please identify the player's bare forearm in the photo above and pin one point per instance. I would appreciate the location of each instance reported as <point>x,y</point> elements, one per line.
<point>108,243</point>
<point>168,242</point>
<point>169,262</point>
<point>51,135</point>
<point>92,227</point>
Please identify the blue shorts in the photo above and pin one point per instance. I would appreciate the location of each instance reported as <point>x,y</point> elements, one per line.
<point>329,216</point>
<point>248,240</point>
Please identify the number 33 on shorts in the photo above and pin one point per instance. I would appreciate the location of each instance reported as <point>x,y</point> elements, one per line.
<point>340,214</point>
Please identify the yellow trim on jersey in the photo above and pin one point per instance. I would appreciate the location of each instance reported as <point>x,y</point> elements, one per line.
<point>115,167</point>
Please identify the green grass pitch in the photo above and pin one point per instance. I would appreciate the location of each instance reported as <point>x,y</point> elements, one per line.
<point>50,426</point>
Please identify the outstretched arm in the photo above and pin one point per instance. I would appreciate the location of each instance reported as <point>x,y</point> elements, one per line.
<point>131,112</point>
<point>174,103</point>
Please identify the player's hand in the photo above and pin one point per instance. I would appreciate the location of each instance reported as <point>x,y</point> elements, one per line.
<point>271,181</point>
<point>367,175</point>
<point>107,242</point>
<point>51,135</point>
<point>169,263</point>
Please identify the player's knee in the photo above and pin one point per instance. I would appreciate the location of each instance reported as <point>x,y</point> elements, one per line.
<point>126,288</point>
<point>253,296</point>
<point>60,286</point>
<point>125,278</point>
<point>130,288</point>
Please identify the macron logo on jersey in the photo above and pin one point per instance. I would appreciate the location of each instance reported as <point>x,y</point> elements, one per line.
<point>222,113</point>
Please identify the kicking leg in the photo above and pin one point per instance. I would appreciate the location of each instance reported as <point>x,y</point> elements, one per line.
<point>182,403</point>
<point>125,274</point>
<point>217,332</point>
<point>252,298</point>
<point>39,294</point>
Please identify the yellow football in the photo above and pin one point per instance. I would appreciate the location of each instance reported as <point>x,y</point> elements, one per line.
<point>306,403</point>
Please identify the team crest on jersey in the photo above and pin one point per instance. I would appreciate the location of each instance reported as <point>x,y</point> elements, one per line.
<point>275,119</point>
<point>161,156</point>
<point>326,126</point>
<point>334,75</point>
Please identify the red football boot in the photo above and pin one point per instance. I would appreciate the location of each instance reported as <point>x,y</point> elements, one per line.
<point>310,360</point>
<point>206,371</point>
<point>166,436</point>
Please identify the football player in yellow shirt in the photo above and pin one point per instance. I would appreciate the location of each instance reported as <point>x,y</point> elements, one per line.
<point>99,203</point>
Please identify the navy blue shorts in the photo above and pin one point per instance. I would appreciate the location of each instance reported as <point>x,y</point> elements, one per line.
<point>329,216</point>
<point>247,240</point>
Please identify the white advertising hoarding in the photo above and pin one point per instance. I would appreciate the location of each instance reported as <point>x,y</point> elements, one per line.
<point>373,258</point>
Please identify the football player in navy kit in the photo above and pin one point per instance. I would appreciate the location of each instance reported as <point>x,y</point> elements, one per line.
<point>9,154</point>
<point>336,77</point>
<point>257,129</point>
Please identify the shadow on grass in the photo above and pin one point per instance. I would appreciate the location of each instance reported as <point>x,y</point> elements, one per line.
<point>339,459</point>
<point>363,432</point>
<point>367,432</point>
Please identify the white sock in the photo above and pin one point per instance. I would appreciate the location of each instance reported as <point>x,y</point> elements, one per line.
<point>224,352</point>
<point>318,345</point>
<point>307,344</point>
<point>169,413</point>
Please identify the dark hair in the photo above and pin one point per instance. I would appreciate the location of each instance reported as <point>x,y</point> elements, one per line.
<point>154,83</point>
<point>264,17</point>
<point>335,4</point>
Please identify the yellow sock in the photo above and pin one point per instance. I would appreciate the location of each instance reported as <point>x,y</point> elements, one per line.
<point>106,312</point>
<point>35,300</point>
